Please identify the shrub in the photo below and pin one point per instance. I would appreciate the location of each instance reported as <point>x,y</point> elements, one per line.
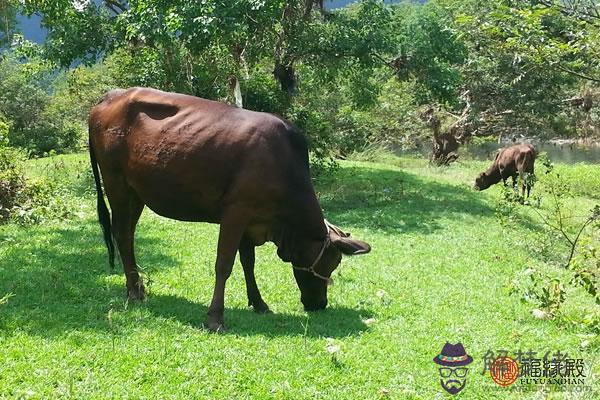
<point>48,109</point>
<point>27,201</point>
<point>12,181</point>
<point>41,200</point>
<point>568,242</point>
<point>261,92</point>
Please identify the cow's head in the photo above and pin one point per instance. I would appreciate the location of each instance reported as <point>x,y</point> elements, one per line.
<point>313,280</point>
<point>482,182</point>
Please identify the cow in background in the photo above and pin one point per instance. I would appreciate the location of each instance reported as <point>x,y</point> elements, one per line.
<point>512,161</point>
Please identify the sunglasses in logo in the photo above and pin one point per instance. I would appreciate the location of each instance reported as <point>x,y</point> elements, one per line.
<point>458,372</point>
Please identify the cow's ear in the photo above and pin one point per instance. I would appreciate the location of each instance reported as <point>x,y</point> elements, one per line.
<point>342,241</point>
<point>351,247</point>
<point>336,229</point>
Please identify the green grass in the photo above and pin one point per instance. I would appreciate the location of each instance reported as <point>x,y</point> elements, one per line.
<point>440,270</point>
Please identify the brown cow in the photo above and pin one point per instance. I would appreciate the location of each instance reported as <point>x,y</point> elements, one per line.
<point>192,159</point>
<point>509,162</point>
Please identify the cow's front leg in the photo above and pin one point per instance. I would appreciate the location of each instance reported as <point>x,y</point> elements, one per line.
<point>247,258</point>
<point>230,234</point>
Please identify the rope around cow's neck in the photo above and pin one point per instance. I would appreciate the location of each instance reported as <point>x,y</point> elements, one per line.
<point>311,269</point>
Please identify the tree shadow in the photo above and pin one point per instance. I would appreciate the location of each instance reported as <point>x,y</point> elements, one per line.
<point>395,201</point>
<point>54,276</point>
<point>332,322</point>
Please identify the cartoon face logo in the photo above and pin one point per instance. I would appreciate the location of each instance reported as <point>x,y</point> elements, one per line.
<point>453,372</point>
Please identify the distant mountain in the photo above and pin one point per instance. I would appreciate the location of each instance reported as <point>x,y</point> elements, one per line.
<point>331,4</point>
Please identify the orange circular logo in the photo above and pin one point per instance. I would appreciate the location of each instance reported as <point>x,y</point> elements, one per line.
<point>504,371</point>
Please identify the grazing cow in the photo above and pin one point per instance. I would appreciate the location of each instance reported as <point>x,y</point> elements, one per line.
<point>509,162</point>
<point>192,159</point>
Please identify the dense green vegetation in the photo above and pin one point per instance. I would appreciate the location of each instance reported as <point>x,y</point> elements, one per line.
<point>444,267</point>
<point>489,269</point>
<point>352,77</point>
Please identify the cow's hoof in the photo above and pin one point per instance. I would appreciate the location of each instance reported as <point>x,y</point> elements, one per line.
<point>261,308</point>
<point>137,293</point>
<point>213,325</point>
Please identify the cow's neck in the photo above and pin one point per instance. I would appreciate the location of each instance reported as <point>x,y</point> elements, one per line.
<point>300,233</point>
<point>493,175</point>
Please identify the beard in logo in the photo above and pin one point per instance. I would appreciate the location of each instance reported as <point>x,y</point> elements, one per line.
<point>453,386</point>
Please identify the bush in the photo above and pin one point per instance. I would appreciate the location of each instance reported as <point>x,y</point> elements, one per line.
<point>392,122</point>
<point>41,200</point>
<point>261,92</point>
<point>12,181</point>
<point>26,201</point>
<point>567,242</point>
<point>48,109</point>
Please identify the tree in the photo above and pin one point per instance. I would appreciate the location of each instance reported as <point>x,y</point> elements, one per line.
<point>169,33</point>
<point>8,21</point>
<point>46,110</point>
<point>524,59</point>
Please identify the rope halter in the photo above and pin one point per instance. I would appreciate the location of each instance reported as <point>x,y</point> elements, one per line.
<point>311,269</point>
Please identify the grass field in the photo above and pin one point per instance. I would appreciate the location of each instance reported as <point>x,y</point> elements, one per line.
<point>440,270</point>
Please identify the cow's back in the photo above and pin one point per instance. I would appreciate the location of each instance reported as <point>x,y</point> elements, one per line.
<point>187,158</point>
<point>515,159</point>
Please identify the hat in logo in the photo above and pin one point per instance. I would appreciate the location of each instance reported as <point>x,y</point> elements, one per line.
<point>453,355</point>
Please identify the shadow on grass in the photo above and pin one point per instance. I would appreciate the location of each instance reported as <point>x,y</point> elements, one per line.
<point>55,278</point>
<point>53,274</point>
<point>395,201</point>
<point>332,322</point>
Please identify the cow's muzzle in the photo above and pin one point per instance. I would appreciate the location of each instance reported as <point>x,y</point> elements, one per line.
<point>315,306</point>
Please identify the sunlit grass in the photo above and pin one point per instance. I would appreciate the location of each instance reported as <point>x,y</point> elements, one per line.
<point>440,270</point>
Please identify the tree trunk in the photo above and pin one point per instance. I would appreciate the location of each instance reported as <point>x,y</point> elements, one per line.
<point>234,86</point>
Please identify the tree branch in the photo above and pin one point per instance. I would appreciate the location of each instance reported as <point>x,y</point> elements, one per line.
<point>574,244</point>
<point>582,76</point>
<point>573,11</point>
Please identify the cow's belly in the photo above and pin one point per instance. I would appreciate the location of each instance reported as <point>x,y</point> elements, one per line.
<point>182,211</point>
<point>182,195</point>
<point>201,194</point>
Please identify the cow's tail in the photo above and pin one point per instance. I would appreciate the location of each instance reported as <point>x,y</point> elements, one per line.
<point>103,213</point>
<point>530,157</point>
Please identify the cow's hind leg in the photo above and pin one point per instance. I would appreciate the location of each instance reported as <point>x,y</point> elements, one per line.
<point>126,209</point>
<point>526,179</point>
<point>247,258</point>
<point>525,184</point>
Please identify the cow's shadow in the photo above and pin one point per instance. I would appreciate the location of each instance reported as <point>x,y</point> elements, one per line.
<point>58,276</point>
<point>59,281</point>
<point>332,322</point>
